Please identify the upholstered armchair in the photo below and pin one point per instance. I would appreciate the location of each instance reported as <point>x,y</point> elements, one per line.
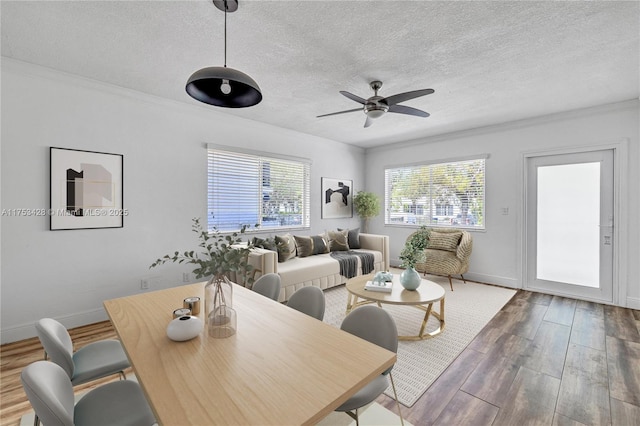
<point>447,254</point>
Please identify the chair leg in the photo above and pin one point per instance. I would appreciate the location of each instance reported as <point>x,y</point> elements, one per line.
<point>36,421</point>
<point>395,395</point>
<point>463,280</point>
<point>450,283</point>
<point>354,416</point>
<point>122,375</point>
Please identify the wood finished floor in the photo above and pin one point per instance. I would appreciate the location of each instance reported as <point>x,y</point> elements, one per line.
<point>542,360</point>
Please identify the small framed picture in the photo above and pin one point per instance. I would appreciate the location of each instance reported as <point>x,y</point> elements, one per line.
<point>86,190</point>
<point>337,198</point>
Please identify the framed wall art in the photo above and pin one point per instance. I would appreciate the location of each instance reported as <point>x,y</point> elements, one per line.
<point>86,190</point>
<point>337,198</point>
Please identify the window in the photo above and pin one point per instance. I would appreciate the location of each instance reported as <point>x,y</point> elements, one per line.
<point>443,194</point>
<point>251,188</point>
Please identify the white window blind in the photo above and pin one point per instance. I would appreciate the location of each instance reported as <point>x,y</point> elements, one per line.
<point>447,194</point>
<point>252,189</point>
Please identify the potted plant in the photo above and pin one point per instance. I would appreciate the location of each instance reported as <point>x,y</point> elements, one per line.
<point>367,205</point>
<point>412,253</point>
<point>222,254</point>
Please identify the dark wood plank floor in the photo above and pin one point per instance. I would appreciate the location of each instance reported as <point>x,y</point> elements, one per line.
<point>542,360</point>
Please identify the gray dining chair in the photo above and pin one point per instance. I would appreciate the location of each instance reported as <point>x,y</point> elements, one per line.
<point>50,393</point>
<point>93,361</point>
<point>308,300</point>
<point>376,326</point>
<point>268,285</point>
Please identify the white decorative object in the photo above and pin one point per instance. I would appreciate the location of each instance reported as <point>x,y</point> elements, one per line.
<point>184,328</point>
<point>381,286</point>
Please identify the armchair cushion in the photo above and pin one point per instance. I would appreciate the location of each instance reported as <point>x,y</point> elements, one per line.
<point>444,240</point>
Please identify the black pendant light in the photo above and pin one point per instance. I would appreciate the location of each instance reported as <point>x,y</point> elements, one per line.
<point>222,86</point>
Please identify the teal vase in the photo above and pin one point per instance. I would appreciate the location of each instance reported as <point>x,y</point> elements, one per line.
<point>410,279</point>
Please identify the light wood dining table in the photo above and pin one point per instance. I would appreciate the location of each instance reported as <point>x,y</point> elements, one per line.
<point>281,367</point>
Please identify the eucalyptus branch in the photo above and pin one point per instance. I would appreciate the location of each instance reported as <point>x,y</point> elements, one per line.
<point>222,254</point>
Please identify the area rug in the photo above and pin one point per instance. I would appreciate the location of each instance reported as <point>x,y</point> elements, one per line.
<point>467,310</point>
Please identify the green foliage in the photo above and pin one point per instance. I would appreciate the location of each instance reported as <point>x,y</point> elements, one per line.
<point>411,254</point>
<point>222,254</point>
<point>366,204</point>
<point>413,250</point>
<point>420,238</point>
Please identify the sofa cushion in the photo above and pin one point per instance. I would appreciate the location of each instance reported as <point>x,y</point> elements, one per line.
<point>286,247</point>
<point>338,240</point>
<point>444,240</point>
<point>314,268</point>
<point>308,246</point>
<point>353,238</point>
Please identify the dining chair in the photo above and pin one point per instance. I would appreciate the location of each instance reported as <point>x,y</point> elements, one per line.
<point>308,300</point>
<point>50,393</point>
<point>268,285</point>
<point>92,361</point>
<point>376,326</point>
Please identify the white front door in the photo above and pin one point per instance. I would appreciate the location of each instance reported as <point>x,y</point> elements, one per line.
<point>569,222</point>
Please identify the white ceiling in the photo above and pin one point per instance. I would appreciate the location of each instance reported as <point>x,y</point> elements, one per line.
<point>488,62</point>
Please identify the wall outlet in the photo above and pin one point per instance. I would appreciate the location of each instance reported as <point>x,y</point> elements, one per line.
<point>144,284</point>
<point>186,277</point>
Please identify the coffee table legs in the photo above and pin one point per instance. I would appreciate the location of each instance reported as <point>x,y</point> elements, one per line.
<point>428,312</point>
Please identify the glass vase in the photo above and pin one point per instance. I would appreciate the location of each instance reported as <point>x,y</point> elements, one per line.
<point>410,279</point>
<point>221,318</point>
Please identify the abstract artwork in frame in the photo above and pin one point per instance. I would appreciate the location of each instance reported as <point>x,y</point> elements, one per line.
<point>337,198</point>
<point>86,190</point>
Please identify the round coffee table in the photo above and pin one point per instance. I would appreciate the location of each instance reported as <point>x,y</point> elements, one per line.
<point>422,298</point>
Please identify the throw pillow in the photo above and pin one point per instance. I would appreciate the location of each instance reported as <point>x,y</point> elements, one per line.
<point>308,246</point>
<point>265,243</point>
<point>338,240</point>
<point>444,240</point>
<point>353,238</point>
<point>286,247</point>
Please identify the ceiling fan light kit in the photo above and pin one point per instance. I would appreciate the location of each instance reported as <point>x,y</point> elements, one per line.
<point>223,86</point>
<point>376,106</point>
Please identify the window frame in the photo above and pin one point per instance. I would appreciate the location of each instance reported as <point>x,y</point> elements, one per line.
<point>259,158</point>
<point>430,198</point>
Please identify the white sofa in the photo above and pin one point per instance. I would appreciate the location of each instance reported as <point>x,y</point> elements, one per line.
<point>320,270</point>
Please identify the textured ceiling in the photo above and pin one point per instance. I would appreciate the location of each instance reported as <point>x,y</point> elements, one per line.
<point>488,62</point>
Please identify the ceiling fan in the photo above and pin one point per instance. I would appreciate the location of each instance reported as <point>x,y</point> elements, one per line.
<point>376,106</point>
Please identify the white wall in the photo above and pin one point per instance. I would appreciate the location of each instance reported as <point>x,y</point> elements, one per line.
<point>496,254</point>
<point>67,274</point>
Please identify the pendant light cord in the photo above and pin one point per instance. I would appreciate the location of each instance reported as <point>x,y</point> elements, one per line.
<point>225,33</point>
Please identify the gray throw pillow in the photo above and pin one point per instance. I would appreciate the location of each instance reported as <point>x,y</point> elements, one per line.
<point>353,238</point>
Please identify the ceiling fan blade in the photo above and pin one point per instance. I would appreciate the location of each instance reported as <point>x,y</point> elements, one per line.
<point>339,112</point>
<point>353,97</point>
<point>368,123</point>
<point>401,97</point>
<point>402,109</point>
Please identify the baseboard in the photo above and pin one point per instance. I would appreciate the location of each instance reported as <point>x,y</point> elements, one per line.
<point>27,330</point>
<point>633,302</point>
<point>481,278</point>
<point>493,279</point>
